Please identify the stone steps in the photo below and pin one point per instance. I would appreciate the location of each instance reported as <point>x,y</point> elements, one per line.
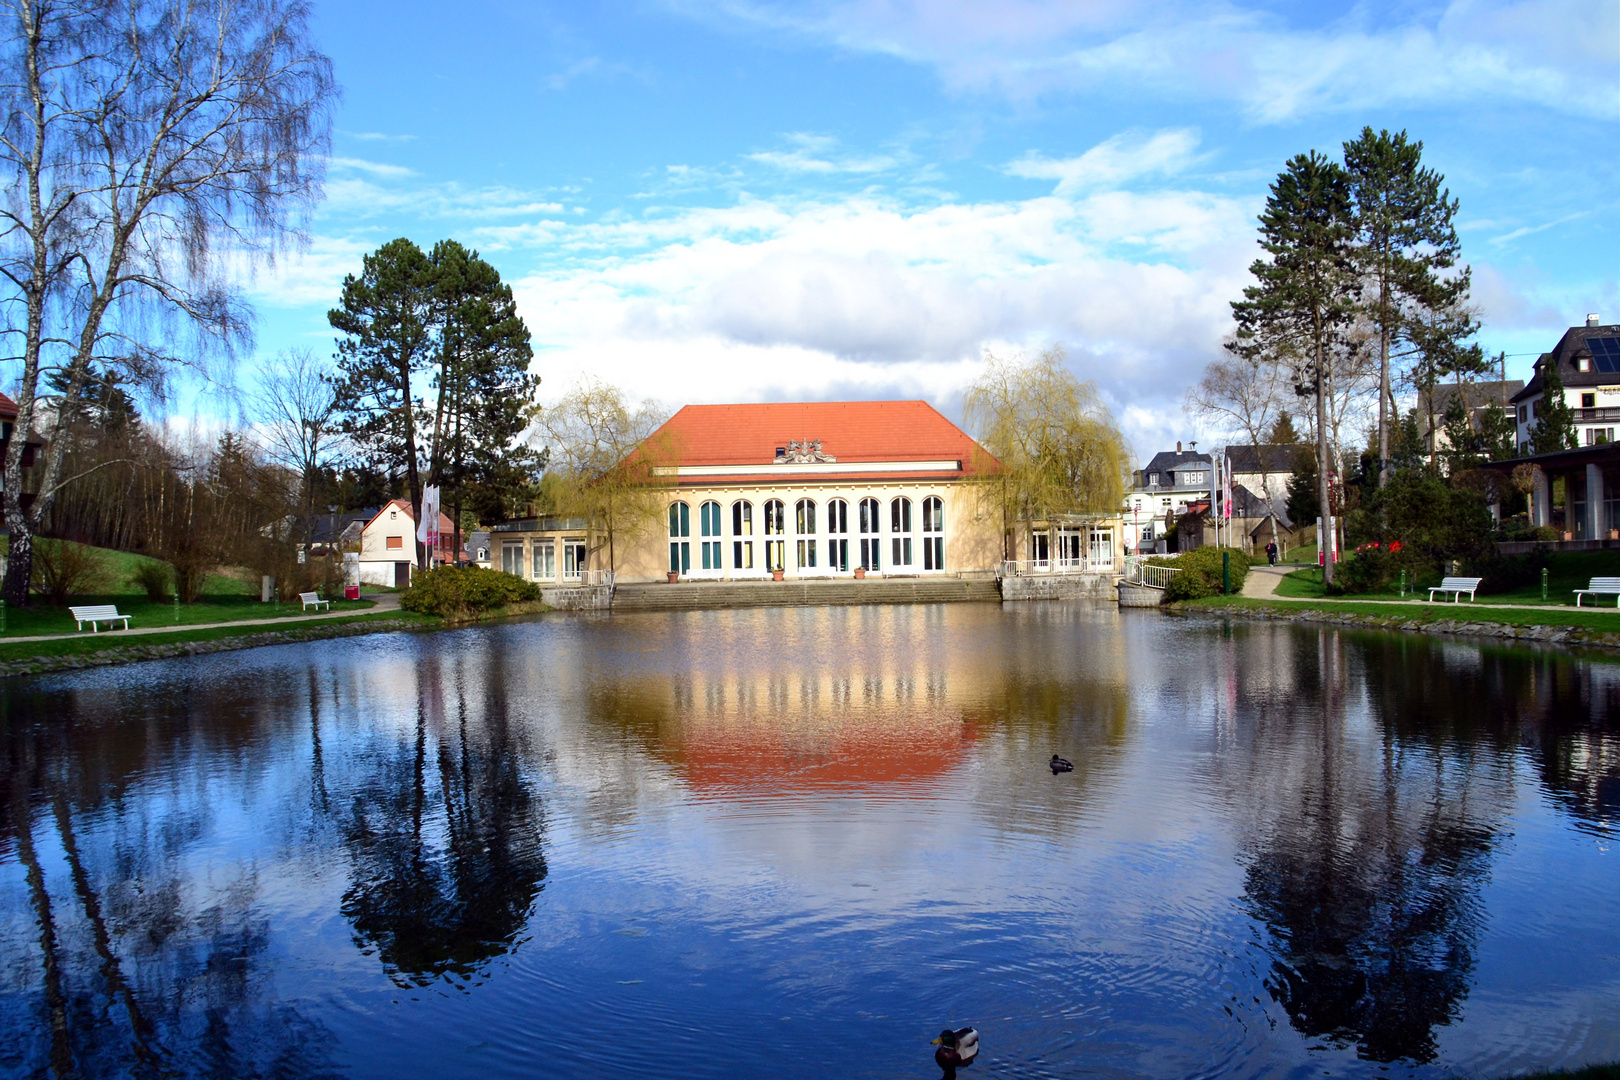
<point>690,596</point>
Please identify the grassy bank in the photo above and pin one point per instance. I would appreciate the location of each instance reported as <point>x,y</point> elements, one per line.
<point>1586,619</point>
<point>1566,572</point>
<point>44,618</point>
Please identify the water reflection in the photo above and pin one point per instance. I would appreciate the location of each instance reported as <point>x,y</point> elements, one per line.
<point>709,837</point>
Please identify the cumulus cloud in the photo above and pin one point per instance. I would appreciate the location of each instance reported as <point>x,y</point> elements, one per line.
<point>1127,156</point>
<point>1465,51</point>
<point>819,154</point>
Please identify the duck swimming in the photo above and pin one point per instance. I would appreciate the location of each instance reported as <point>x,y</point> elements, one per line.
<point>1061,765</point>
<point>956,1049</point>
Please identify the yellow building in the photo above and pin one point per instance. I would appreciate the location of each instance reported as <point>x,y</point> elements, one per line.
<point>792,491</point>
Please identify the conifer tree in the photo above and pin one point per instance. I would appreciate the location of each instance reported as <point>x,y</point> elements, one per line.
<point>1555,420</point>
<point>1306,291</point>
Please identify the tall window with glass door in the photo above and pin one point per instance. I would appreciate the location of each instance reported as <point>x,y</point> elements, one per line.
<point>512,558</point>
<point>709,530</point>
<point>838,536</point>
<point>804,520</point>
<point>933,543</point>
<point>900,533</point>
<point>742,530</point>
<point>573,559</point>
<point>545,560</point>
<point>775,530</point>
<point>680,542</point>
<point>871,524</point>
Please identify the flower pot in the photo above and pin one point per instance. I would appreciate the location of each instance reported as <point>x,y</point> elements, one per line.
<point>1614,534</point>
<point>860,573</point>
<point>776,575</point>
<point>673,577</point>
<point>1569,536</point>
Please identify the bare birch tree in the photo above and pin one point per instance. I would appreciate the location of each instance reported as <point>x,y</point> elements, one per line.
<point>151,149</point>
<point>296,411</point>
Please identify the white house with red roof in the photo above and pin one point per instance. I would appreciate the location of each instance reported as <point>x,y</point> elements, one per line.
<point>388,545</point>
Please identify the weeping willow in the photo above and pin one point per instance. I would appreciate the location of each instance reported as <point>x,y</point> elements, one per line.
<point>1059,448</point>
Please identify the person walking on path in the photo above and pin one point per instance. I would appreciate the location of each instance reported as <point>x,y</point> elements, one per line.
<point>1271,553</point>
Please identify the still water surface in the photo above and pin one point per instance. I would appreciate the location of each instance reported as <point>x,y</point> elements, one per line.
<point>799,842</point>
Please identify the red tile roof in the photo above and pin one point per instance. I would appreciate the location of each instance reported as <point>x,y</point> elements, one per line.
<point>8,408</point>
<point>851,431</point>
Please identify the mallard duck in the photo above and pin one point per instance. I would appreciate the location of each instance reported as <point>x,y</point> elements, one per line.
<point>1061,765</point>
<point>956,1049</point>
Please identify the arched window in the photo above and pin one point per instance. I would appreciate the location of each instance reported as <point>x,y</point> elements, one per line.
<point>838,536</point>
<point>871,542</point>
<point>933,541</point>
<point>900,534</point>
<point>680,546</point>
<point>742,532</point>
<point>775,529</point>
<point>804,521</point>
<point>709,529</point>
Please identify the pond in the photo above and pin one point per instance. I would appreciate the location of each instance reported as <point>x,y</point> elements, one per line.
<point>800,842</point>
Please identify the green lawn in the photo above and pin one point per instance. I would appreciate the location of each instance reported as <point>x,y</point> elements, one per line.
<point>1566,572</point>
<point>85,644</point>
<point>1607,621</point>
<point>42,618</point>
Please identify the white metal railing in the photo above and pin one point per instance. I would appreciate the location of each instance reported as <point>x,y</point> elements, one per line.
<point>1042,567</point>
<point>587,577</point>
<point>1138,571</point>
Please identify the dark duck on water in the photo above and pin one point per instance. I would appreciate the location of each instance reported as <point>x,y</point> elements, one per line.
<point>957,1049</point>
<point>1061,765</point>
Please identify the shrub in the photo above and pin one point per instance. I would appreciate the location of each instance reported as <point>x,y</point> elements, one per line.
<point>461,591</point>
<point>153,578</point>
<point>1201,572</point>
<point>1370,570</point>
<point>68,569</point>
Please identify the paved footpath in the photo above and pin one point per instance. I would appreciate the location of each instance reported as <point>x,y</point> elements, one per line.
<point>384,602</point>
<point>1261,584</point>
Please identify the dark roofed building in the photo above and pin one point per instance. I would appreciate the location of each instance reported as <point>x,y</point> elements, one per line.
<point>1588,362</point>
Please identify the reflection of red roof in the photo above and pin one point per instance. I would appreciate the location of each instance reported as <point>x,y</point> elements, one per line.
<point>851,431</point>
<point>728,757</point>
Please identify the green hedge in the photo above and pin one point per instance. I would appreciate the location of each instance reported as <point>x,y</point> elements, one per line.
<point>461,591</point>
<point>1201,572</point>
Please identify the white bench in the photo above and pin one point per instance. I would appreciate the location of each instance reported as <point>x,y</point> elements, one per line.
<point>1600,586</point>
<point>95,613</point>
<point>313,598</point>
<point>1456,586</point>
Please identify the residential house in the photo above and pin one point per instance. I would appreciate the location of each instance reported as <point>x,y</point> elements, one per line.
<point>1255,522</point>
<point>1477,396</point>
<point>388,545</point>
<point>801,491</point>
<point>334,532</point>
<point>478,551</point>
<point>1587,359</point>
<point>1162,491</point>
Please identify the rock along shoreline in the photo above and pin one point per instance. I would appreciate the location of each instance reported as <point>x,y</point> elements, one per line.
<point>1568,636</point>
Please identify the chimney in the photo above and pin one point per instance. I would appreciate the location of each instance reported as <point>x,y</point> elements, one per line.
<point>1178,446</point>
<point>1593,320</point>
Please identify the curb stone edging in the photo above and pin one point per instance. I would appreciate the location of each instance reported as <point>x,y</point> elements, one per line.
<point>1543,635</point>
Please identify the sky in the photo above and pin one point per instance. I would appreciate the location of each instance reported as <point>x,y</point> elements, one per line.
<point>746,200</point>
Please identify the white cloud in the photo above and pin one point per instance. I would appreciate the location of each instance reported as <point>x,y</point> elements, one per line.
<point>1468,51</point>
<point>817,154</point>
<point>1127,156</point>
<point>371,168</point>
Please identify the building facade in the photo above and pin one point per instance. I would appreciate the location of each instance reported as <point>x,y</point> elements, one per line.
<point>1161,492</point>
<point>388,545</point>
<point>804,491</point>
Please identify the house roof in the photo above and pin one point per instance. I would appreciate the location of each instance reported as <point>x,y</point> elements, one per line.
<point>1576,343</point>
<point>1171,460</point>
<point>326,528</point>
<point>903,433</point>
<point>8,408</point>
<point>405,505</point>
<point>1476,395</point>
<point>1262,457</point>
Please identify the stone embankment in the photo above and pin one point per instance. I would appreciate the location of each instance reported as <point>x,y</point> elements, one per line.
<point>700,595</point>
<point>1567,636</point>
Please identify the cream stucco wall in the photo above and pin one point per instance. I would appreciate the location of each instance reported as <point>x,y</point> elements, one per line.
<point>973,542</point>
<point>392,522</point>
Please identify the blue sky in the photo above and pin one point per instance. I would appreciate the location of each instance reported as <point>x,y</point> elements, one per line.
<point>720,200</point>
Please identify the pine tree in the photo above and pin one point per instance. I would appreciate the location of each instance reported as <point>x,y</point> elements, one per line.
<point>1405,238</point>
<point>1307,288</point>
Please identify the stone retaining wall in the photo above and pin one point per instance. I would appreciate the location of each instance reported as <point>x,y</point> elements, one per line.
<point>1059,587</point>
<point>579,597</point>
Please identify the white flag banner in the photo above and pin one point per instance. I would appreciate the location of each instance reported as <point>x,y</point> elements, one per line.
<point>427,530</point>
<point>1226,487</point>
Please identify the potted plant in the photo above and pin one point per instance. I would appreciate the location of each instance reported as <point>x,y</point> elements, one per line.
<point>776,575</point>
<point>674,577</point>
<point>860,573</point>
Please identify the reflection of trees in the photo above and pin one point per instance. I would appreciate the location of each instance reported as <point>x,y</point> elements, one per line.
<point>138,973</point>
<point>1373,837</point>
<point>447,858</point>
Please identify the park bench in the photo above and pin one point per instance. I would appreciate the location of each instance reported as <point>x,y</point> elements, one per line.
<point>1456,586</point>
<point>97,613</point>
<point>313,598</point>
<point>1600,586</point>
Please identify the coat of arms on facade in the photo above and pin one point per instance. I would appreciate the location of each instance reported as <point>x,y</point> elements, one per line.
<point>803,452</point>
